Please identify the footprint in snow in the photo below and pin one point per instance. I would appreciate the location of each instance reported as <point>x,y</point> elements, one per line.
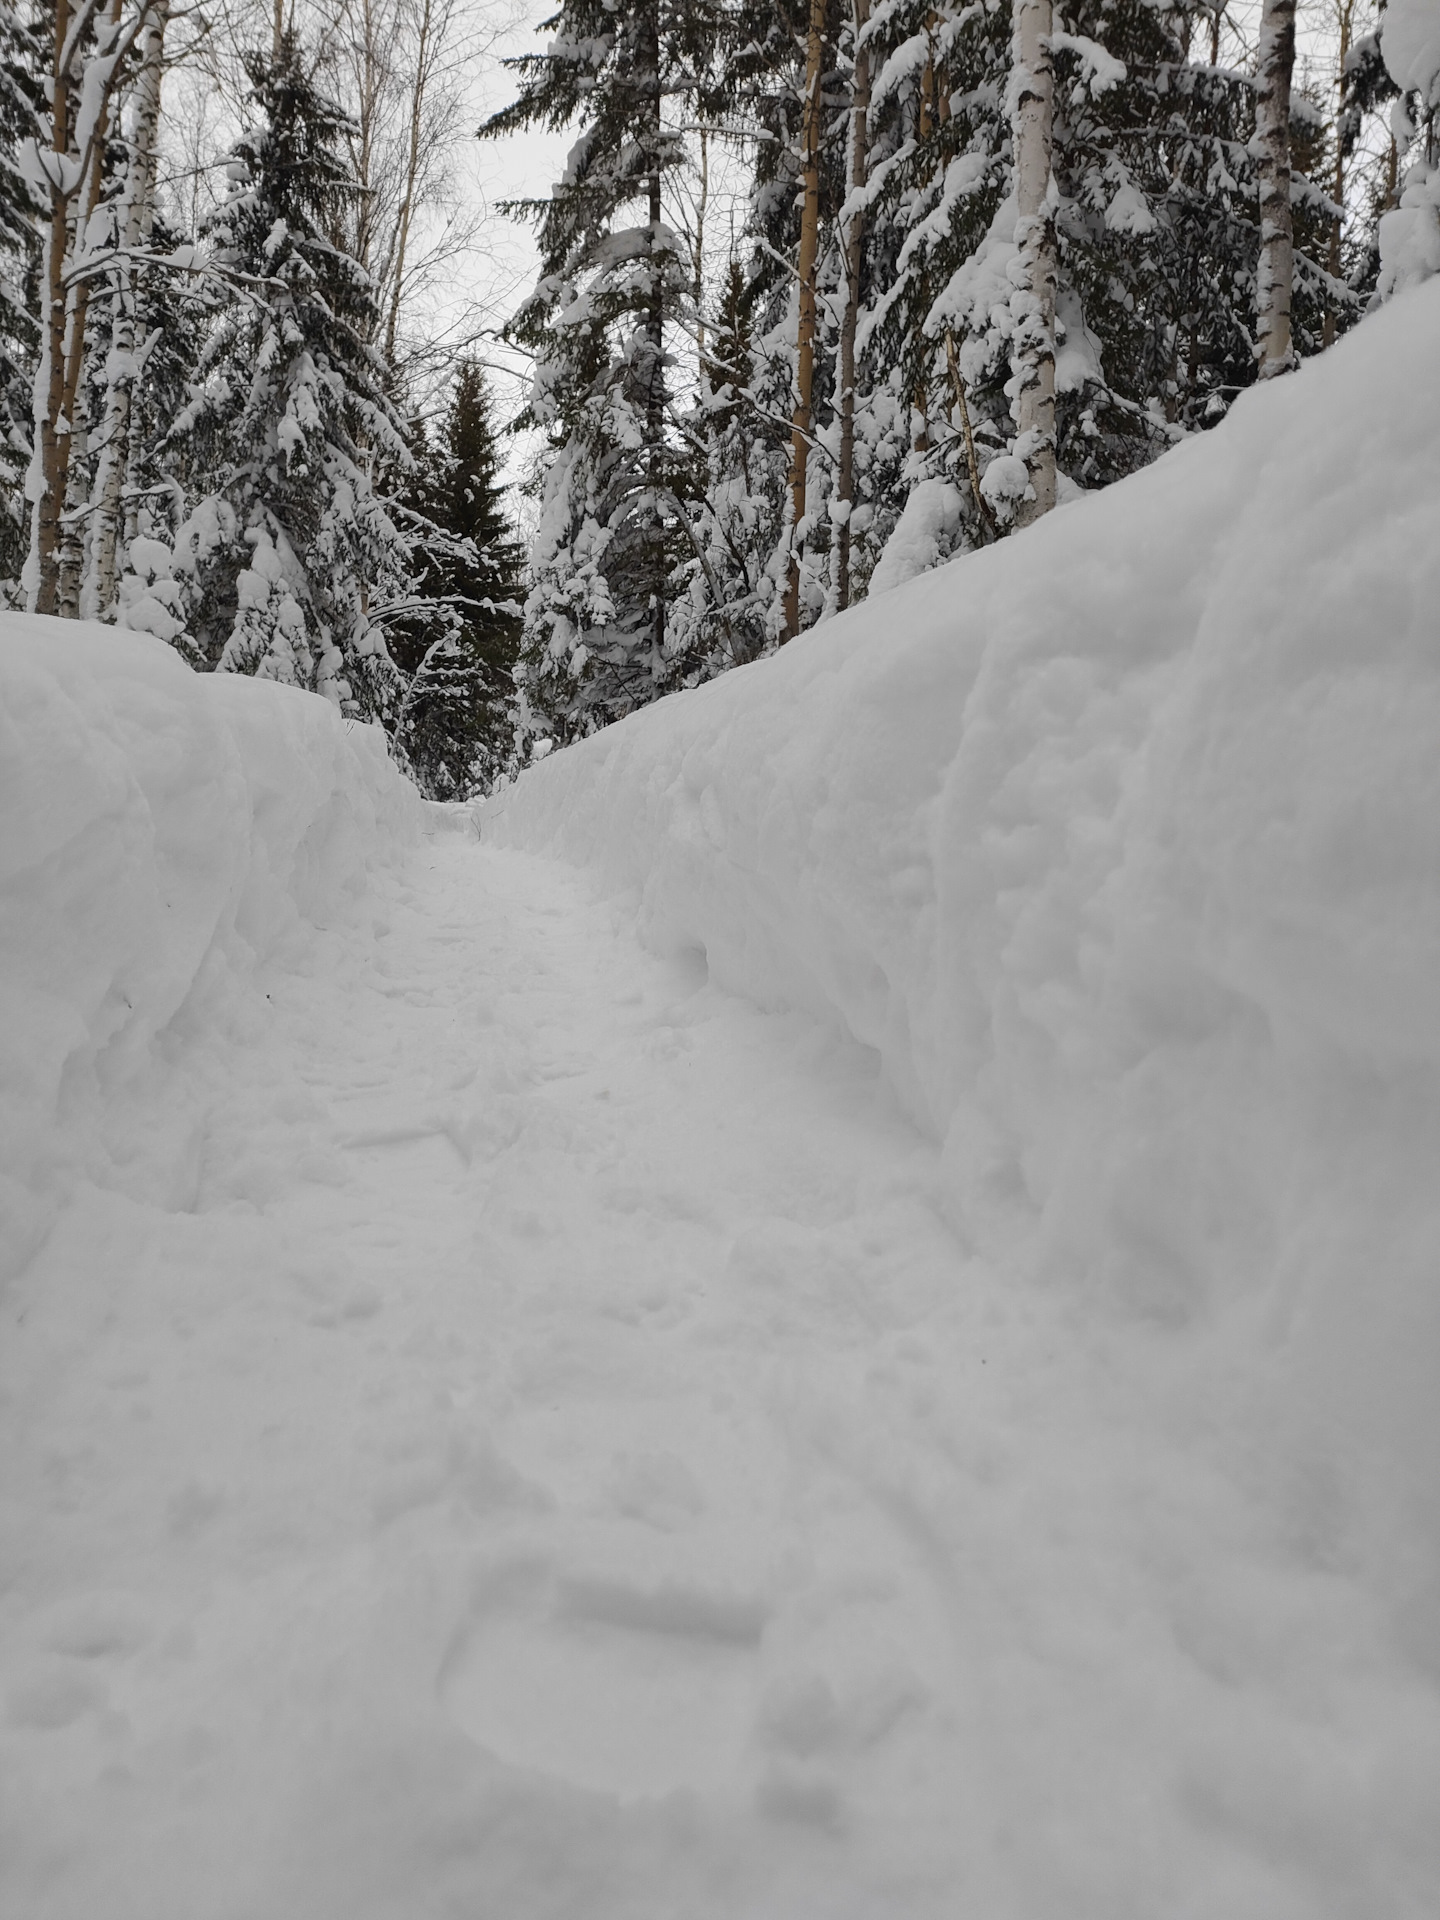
<point>627,1689</point>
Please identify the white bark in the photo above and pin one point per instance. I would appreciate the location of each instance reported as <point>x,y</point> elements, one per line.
<point>805,339</point>
<point>81,89</point>
<point>1032,305</point>
<point>134,217</point>
<point>1275,276</point>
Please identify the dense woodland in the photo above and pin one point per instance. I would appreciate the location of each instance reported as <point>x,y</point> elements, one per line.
<point>829,291</point>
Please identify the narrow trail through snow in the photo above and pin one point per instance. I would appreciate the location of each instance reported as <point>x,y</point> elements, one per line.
<point>540,1451</point>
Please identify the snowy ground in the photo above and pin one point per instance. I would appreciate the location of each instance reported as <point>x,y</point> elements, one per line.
<point>555,1460</point>
<point>845,1329</point>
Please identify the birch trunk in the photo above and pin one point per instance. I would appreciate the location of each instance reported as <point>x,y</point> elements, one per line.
<point>412,175</point>
<point>40,569</point>
<point>136,215</point>
<point>854,242</point>
<point>1275,275</point>
<point>72,437</point>
<point>655,328</point>
<point>75,162</point>
<point>805,334</point>
<point>1032,305</point>
<point>702,206</point>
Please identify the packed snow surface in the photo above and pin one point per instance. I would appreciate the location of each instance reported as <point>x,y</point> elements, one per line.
<point>845,1327</point>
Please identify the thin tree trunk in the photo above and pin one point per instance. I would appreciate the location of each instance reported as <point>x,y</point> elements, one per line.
<point>655,328</point>
<point>854,244</point>
<point>927,118</point>
<point>701,208</point>
<point>70,550</point>
<point>365,116</point>
<point>62,332</point>
<point>73,439</point>
<point>138,212</point>
<point>40,568</point>
<point>412,169</point>
<point>805,338</point>
<point>1346,14</point>
<point>972,463</point>
<point>1032,304</point>
<point>1276,272</point>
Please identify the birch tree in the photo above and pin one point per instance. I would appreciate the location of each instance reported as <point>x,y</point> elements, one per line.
<point>1275,274</point>
<point>1032,304</point>
<point>134,219</point>
<point>403,66</point>
<point>20,208</point>
<point>67,163</point>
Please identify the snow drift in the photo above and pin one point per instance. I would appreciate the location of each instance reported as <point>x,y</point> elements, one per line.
<point>160,831</point>
<point>1120,843</point>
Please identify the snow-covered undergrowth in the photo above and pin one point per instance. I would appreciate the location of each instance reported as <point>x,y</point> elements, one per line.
<point>160,832</point>
<point>1120,843</point>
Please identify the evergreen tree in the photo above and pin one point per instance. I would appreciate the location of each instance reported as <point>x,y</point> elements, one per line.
<point>1157,232</point>
<point>725,591</point>
<point>288,563</point>
<point>455,721</point>
<point>612,284</point>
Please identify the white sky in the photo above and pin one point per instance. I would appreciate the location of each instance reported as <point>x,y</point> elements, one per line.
<point>491,281</point>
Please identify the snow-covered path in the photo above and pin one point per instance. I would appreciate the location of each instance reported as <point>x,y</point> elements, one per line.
<point>541,1452</point>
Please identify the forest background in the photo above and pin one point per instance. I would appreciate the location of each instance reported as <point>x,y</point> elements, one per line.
<point>302,376</point>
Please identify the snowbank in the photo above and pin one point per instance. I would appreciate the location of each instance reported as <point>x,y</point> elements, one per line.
<point>1120,843</point>
<point>159,832</point>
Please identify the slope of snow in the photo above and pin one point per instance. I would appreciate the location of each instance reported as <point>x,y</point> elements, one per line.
<point>907,1397</point>
<point>158,830</point>
<point>1121,845</point>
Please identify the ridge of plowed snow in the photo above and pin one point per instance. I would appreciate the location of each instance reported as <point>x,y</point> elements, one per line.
<point>159,832</point>
<point>497,1422</point>
<point>1120,843</point>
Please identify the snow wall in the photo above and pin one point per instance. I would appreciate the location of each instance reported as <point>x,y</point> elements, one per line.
<point>162,833</point>
<point>1120,844</point>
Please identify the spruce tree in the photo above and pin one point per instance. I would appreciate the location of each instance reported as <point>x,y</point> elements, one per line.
<point>725,604</point>
<point>1157,233</point>
<point>458,646</point>
<point>613,282</point>
<point>288,562</point>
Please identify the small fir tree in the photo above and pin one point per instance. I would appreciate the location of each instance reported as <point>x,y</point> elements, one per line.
<point>455,721</point>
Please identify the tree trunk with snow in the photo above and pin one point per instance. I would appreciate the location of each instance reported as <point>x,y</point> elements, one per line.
<point>1032,304</point>
<point>805,332</point>
<point>133,221</point>
<point>73,439</point>
<point>81,85</point>
<point>45,500</point>
<point>655,332</point>
<point>854,241</point>
<point>1275,275</point>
